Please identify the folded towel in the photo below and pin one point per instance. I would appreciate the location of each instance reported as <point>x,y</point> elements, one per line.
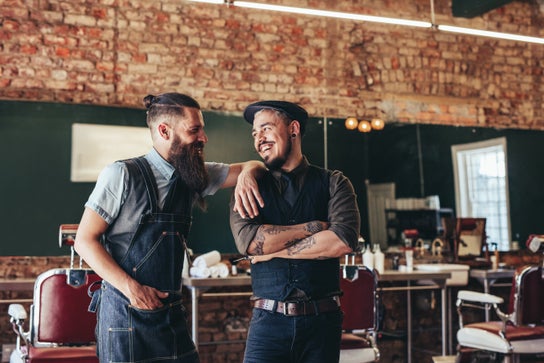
<point>208,259</point>
<point>200,272</point>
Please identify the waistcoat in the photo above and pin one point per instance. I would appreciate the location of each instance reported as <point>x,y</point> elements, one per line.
<point>278,278</point>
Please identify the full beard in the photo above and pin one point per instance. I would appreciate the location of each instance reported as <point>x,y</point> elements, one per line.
<point>188,160</point>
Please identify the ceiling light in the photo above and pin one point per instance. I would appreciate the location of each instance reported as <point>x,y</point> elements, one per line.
<point>491,34</point>
<point>351,123</point>
<point>331,14</point>
<point>377,124</point>
<point>364,126</point>
<point>376,19</point>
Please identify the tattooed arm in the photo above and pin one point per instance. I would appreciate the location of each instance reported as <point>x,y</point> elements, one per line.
<point>322,245</point>
<point>273,238</point>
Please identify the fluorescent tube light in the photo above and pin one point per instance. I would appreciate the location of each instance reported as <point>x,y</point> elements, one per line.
<point>331,14</point>
<point>374,19</point>
<point>491,34</point>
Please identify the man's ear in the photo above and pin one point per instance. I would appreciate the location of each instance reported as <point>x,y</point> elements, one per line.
<point>294,128</point>
<point>164,131</point>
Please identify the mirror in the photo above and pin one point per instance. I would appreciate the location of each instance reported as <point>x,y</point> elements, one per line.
<point>470,239</point>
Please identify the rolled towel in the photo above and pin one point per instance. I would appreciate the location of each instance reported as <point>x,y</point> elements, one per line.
<point>214,271</point>
<point>223,269</point>
<point>208,259</point>
<point>199,272</point>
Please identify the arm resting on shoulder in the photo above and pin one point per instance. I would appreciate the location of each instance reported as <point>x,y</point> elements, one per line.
<point>247,197</point>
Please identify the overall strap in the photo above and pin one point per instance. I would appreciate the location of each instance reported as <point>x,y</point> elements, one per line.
<point>149,179</point>
<point>179,198</point>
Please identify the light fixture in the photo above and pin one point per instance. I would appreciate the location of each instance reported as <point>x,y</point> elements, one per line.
<point>351,123</point>
<point>332,14</point>
<point>325,13</point>
<point>376,19</point>
<point>486,33</point>
<point>377,124</point>
<point>364,126</point>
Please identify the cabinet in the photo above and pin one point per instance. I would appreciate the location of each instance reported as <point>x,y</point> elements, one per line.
<point>428,222</point>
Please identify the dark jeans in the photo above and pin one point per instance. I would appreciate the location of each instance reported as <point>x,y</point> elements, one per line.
<point>276,338</point>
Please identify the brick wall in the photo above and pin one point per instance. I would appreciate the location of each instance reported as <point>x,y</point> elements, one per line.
<point>114,52</point>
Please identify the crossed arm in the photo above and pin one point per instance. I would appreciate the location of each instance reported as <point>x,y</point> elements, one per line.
<point>311,240</point>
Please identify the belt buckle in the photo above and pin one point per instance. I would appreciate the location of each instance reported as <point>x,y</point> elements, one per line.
<point>285,308</point>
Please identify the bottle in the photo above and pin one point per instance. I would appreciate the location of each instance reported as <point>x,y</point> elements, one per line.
<point>368,257</point>
<point>379,258</point>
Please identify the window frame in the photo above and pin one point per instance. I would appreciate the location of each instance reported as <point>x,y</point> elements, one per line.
<point>461,185</point>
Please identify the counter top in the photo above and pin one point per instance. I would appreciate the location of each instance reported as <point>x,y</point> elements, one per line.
<point>243,279</point>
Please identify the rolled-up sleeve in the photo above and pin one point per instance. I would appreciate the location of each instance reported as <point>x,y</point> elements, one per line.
<point>243,230</point>
<point>344,217</point>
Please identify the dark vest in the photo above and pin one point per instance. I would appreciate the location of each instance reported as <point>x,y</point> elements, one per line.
<point>278,278</point>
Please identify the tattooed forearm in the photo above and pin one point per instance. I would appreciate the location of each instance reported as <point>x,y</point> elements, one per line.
<point>313,227</point>
<point>258,244</point>
<point>301,245</point>
<point>273,230</point>
<point>291,243</point>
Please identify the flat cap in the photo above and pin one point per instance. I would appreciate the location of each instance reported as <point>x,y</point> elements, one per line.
<point>294,111</point>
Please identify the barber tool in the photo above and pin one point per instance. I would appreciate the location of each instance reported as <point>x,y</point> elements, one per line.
<point>241,259</point>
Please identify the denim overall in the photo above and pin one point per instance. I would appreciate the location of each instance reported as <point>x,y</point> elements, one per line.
<point>154,258</point>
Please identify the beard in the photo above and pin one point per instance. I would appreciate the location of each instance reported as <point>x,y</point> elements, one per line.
<point>188,160</point>
<point>277,162</point>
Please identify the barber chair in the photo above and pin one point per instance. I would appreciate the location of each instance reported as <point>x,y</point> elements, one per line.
<point>60,328</point>
<point>519,335</point>
<point>359,304</point>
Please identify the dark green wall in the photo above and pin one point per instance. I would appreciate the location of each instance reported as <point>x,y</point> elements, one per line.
<point>36,194</point>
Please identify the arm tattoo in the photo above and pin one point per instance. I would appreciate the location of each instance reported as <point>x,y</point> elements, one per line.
<point>291,243</point>
<point>300,246</point>
<point>274,229</point>
<point>313,227</point>
<point>258,248</point>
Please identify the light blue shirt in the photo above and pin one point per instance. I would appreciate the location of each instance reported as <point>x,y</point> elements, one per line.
<point>110,191</point>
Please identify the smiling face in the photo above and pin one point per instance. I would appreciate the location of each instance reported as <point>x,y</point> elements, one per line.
<point>272,138</point>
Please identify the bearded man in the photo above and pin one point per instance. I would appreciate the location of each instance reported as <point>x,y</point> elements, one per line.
<point>134,228</point>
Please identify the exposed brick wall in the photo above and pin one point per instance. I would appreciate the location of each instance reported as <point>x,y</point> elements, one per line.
<point>115,51</point>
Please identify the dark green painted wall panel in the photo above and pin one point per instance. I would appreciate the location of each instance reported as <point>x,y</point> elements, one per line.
<point>36,194</point>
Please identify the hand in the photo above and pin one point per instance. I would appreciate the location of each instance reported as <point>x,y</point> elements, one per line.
<point>246,194</point>
<point>260,258</point>
<point>146,297</point>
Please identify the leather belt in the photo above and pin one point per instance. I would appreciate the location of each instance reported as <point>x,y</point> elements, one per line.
<point>313,307</point>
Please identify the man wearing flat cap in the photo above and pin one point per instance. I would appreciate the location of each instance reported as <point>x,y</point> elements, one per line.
<point>310,218</point>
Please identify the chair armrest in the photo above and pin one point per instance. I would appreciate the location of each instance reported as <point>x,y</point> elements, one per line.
<point>17,312</point>
<point>18,316</point>
<point>479,297</point>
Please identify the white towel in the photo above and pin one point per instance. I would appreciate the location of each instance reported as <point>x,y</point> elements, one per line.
<point>208,259</point>
<point>219,270</point>
<point>200,272</point>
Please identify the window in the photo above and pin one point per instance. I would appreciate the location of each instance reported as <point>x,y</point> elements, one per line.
<point>481,187</point>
